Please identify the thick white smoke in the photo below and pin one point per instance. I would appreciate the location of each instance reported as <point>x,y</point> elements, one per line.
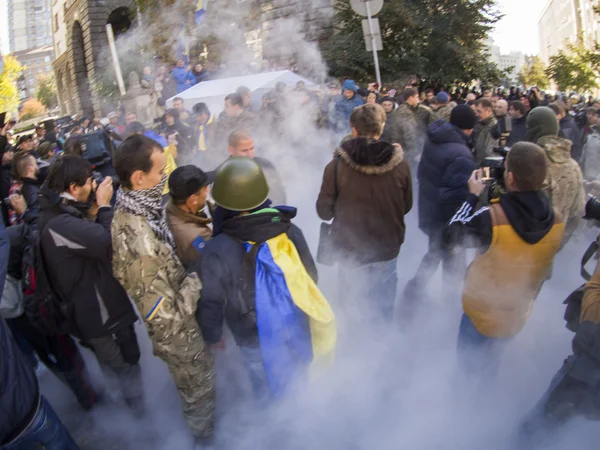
<point>389,388</point>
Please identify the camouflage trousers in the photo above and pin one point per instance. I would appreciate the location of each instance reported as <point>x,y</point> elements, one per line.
<point>192,366</point>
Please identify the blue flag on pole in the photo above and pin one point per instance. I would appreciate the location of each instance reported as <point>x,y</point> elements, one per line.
<point>200,11</point>
<point>183,49</point>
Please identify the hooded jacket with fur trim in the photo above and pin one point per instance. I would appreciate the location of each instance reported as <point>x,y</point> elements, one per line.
<point>374,193</point>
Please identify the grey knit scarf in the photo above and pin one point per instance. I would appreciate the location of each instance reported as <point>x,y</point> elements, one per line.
<point>147,203</point>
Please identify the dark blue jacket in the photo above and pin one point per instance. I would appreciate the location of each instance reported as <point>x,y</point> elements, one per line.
<point>18,384</point>
<point>444,171</point>
<point>225,277</point>
<point>569,130</point>
<point>518,132</point>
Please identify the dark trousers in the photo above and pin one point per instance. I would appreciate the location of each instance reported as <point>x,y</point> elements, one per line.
<point>480,356</point>
<point>45,431</point>
<point>118,355</point>
<point>60,354</point>
<point>453,266</point>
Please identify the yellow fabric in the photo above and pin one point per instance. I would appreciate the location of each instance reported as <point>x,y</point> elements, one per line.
<point>201,138</point>
<point>307,297</point>
<point>502,283</point>
<point>170,152</point>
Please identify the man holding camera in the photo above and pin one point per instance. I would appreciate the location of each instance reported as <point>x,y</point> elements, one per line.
<point>518,237</point>
<point>77,255</point>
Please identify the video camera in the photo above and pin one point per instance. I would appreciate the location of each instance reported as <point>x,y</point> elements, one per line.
<point>95,147</point>
<point>493,168</point>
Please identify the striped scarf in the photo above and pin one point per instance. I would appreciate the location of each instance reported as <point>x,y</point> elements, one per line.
<point>147,203</point>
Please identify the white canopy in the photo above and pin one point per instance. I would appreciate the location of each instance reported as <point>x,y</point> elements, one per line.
<point>213,92</point>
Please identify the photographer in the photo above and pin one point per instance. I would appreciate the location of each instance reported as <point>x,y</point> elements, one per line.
<point>575,389</point>
<point>77,254</point>
<point>520,234</point>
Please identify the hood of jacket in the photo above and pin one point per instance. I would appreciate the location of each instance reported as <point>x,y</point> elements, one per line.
<point>52,204</point>
<point>530,214</point>
<point>443,132</point>
<point>369,156</point>
<point>557,149</point>
<point>260,226</point>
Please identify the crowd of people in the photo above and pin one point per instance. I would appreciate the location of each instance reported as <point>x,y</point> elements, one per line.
<point>181,223</point>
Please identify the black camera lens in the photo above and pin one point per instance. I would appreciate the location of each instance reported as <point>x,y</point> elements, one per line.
<point>592,209</point>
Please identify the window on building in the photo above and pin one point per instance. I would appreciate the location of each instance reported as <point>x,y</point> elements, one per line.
<point>55,21</point>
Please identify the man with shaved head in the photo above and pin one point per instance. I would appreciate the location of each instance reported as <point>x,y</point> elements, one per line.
<point>504,122</point>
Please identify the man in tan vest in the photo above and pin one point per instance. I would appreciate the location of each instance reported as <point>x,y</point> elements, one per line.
<point>518,237</point>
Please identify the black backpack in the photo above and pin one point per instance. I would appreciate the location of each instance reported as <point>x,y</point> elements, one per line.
<point>43,307</point>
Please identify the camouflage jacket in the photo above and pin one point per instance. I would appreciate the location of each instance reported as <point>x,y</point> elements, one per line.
<point>564,182</point>
<point>155,279</point>
<point>483,139</point>
<point>401,128</point>
<point>443,112</point>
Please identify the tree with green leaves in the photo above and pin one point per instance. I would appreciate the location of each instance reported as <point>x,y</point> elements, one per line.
<point>576,68</point>
<point>46,91</point>
<point>9,92</point>
<point>534,74</point>
<point>438,41</point>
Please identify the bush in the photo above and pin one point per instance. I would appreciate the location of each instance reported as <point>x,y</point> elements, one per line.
<point>31,109</point>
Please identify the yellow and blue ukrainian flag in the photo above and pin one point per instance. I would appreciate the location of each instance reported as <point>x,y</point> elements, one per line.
<point>200,11</point>
<point>296,325</point>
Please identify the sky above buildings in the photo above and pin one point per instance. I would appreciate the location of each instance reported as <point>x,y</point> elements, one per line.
<point>516,31</point>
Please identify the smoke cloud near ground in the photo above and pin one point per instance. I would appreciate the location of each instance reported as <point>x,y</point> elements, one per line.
<point>389,387</point>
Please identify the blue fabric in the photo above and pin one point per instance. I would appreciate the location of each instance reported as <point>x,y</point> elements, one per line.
<point>162,141</point>
<point>444,171</point>
<point>342,110</point>
<point>199,244</point>
<point>45,431</point>
<point>480,355</point>
<point>283,330</point>
<point>349,85</point>
<point>181,75</point>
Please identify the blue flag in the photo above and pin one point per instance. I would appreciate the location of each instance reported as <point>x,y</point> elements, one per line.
<point>200,11</point>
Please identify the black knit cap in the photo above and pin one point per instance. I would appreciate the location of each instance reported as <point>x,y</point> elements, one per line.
<point>463,117</point>
<point>186,181</point>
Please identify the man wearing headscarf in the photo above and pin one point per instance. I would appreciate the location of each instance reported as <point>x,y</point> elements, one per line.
<point>145,262</point>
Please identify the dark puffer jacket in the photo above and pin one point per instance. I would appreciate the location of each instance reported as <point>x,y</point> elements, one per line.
<point>374,193</point>
<point>222,272</point>
<point>78,258</point>
<point>443,174</point>
<point>18,384</point>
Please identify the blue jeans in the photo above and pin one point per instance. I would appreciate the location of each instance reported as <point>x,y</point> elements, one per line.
<point>479,355</point>
<point>45,431</point>
<point>253,361</point>
<point>369,291</point>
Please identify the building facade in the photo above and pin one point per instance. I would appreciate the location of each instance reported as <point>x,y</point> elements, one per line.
<point>79,35</point>
<point>29,24</point>
<point>563,21</point>
<point>515,60</point>
<point>37,63</point>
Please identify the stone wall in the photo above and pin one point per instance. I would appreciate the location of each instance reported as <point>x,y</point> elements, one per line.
<point>313,18</point>
<point>86,39</point>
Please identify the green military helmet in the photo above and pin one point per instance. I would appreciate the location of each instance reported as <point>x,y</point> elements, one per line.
<point>240,185</point>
